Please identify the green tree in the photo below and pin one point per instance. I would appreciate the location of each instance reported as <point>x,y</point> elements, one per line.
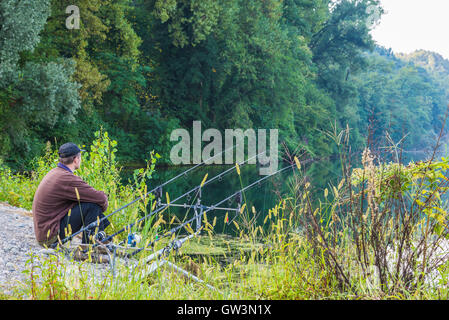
<point>338,53</point>
<point>401,98</point>
<point>233,64</point>
<point>57,41</point>
<point>34,97</point>
<point>20,24</point>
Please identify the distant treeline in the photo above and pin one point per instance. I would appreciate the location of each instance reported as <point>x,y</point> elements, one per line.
<point>142,68</point>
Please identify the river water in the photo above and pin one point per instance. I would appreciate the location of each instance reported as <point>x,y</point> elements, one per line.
<point>264,196</point>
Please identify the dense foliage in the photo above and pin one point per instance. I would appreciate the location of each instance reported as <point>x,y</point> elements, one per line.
<point>380,233</point>
<point>141,68</point>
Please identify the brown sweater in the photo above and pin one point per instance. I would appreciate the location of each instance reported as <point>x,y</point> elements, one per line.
<point>55,196</point>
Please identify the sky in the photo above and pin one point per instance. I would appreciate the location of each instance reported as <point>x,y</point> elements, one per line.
<point>409,25</point>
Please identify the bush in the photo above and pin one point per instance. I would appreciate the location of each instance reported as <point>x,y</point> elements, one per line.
<point>383,231</point>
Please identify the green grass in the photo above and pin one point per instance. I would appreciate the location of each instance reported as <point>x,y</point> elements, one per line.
<point>302,251</point>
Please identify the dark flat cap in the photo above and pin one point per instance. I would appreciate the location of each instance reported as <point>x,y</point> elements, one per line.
<point>68,150</point>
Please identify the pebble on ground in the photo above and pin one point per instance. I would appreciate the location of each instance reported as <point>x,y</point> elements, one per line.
<point>17,242</point>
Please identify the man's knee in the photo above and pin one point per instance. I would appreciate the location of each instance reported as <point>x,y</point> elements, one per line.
<point>91,207</point>
<point>94,212</point>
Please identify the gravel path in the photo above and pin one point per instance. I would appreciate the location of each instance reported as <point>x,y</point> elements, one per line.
<point>17,242</point>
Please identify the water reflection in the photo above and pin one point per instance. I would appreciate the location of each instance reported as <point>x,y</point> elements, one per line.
<point>264,196</point>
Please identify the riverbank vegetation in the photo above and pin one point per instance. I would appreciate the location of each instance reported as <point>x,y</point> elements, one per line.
<point>380,233</point>
<point>138,69</point>
<point>142,68</point>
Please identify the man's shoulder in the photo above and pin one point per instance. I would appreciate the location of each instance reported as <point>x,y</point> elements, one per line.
<point>51,174</point>
<point>59,174</point>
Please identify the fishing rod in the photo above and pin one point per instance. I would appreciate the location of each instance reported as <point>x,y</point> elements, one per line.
<point>174,244</point>
<point>159,263</point>
<point>166,205</point>
<point>214,207</point>
<point>237,195</point>
<point>93,225</point>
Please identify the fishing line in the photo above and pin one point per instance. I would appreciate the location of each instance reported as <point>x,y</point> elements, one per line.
<point>173,230</point>
<point>164,206</point>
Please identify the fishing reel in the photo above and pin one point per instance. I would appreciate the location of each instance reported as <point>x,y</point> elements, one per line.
<point>133,239</point>
<point>176,245</point>
<point>158,195</point>
<point>158,192</point>
<point>100,236</point>
<point>238,199</point>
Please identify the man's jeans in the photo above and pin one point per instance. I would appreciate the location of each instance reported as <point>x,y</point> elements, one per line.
<point>80,216</point>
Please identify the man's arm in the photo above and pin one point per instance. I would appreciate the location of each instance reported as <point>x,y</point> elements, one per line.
<point>80,191</point>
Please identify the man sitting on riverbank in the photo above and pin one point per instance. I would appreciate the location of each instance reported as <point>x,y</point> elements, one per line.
<point>64,203</point>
